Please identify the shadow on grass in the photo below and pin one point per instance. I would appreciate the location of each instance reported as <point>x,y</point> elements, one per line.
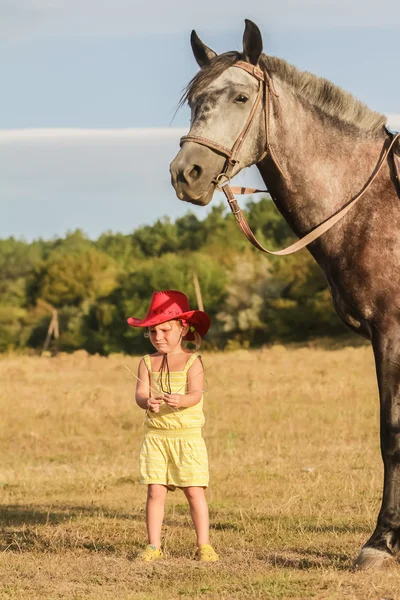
<point>309,559</point>
<point>57,528</point>
<point>225,527</point>
<point>302,525</point>
<point>30,540</point>
<point>28,528</point>
<point>62,527</point>
<point>334,528</point>
<point>20,514</point>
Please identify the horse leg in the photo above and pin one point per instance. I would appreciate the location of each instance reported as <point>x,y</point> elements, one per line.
<point>382,545</point>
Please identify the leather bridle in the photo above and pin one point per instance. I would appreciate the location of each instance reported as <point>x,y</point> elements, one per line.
<point>232,153</point>
<point>223,179</point>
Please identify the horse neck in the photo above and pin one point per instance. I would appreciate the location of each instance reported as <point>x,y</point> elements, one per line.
<point>321,165</point>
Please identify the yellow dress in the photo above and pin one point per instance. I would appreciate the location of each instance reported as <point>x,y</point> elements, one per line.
<point>173,451</point>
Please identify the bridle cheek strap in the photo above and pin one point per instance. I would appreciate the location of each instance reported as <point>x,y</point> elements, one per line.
<point>232,153</point>
<point>222,180</point>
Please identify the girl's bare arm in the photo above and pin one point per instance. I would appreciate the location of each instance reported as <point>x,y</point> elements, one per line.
<point>143,386</point>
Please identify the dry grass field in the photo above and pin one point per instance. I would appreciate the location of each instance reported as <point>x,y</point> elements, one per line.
<point>292,435</point>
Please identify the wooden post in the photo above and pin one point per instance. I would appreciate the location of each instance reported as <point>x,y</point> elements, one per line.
<point>56,330</point>
<point>52,330</point>
<point>198,292</point>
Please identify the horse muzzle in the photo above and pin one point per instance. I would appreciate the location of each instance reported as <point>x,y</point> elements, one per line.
<point>193,173</point>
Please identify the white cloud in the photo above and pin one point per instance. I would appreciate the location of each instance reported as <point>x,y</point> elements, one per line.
<point>82,134</point>
<point>55,180</point>
<point>33,19</point>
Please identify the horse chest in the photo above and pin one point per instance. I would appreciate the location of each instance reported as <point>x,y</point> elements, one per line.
<point>347,310</point>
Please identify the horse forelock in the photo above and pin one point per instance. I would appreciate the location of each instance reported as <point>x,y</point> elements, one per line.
<point>329,98</point>
<point>208,74</point>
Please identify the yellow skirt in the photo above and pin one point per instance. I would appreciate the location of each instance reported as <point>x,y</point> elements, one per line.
<point>175,458</point>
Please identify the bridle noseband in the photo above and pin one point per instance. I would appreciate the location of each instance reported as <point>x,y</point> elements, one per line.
<point>222,180</point>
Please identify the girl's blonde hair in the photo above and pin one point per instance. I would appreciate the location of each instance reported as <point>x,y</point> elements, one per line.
<point>197,337</point>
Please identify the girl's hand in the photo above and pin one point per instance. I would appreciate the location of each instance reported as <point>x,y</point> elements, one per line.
<point>173,400</point>
<point>153,404</point>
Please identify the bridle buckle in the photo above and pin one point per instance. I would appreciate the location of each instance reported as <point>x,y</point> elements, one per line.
<point>220,181</point>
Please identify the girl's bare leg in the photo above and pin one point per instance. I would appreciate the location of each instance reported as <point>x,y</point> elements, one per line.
<point>199,512</point>
<point>156,494</point>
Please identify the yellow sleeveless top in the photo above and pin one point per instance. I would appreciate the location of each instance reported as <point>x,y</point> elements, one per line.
<point>169,418</point>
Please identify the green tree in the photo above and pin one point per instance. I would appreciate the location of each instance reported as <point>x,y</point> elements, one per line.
<point>241,316</point>
<point>156,239</point>
<point>299,305</point>
<point>75,242</point>
<point>11,327</point>
<point>96,285</point>
<point>71,279</point>
<point>120,247</point>
<point>268,224</point>
<point>191,232</point>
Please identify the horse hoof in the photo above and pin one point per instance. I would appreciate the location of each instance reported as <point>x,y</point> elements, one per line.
<point>371,558</point>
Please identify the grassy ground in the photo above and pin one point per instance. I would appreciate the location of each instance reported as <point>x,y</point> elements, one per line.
<point>295,480</point>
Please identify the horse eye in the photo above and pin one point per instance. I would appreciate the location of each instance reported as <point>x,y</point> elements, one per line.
<point>241,99</point>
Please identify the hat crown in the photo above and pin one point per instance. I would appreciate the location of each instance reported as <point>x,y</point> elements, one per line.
<point>169,303</point>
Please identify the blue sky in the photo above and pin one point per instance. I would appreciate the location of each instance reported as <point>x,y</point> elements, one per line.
<point>89,91</point>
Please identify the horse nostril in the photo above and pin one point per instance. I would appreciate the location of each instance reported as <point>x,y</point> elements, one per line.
<point>191,173</point>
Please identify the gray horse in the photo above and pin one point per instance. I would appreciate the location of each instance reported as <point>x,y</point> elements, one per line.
<point>316,148</point>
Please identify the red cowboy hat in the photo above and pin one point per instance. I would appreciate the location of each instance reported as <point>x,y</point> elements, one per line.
<point>169,305</point>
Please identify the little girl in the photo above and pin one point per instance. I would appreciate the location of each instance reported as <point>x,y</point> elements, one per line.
<point>170,390</point>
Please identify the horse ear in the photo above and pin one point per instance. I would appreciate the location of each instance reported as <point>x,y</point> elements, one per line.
<point>202,53</point>
<point>252,42</point>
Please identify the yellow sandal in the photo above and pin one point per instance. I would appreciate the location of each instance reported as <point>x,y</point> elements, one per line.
<point>150,553</point>
<point>206,553</point>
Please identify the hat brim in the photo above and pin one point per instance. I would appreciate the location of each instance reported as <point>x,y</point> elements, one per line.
<point>196,318</point>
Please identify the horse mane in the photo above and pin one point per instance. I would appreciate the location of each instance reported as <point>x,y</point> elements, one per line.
<point>330,99</point>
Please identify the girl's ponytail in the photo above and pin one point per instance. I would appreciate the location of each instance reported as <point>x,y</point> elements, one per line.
<point>197,339</point>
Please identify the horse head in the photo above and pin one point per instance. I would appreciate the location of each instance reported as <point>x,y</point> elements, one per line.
<point>222,99</point>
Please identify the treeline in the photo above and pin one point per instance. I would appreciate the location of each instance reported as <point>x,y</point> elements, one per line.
<point>96,285</point>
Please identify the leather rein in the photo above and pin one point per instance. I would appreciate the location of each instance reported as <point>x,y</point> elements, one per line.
<point>223,179</point>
